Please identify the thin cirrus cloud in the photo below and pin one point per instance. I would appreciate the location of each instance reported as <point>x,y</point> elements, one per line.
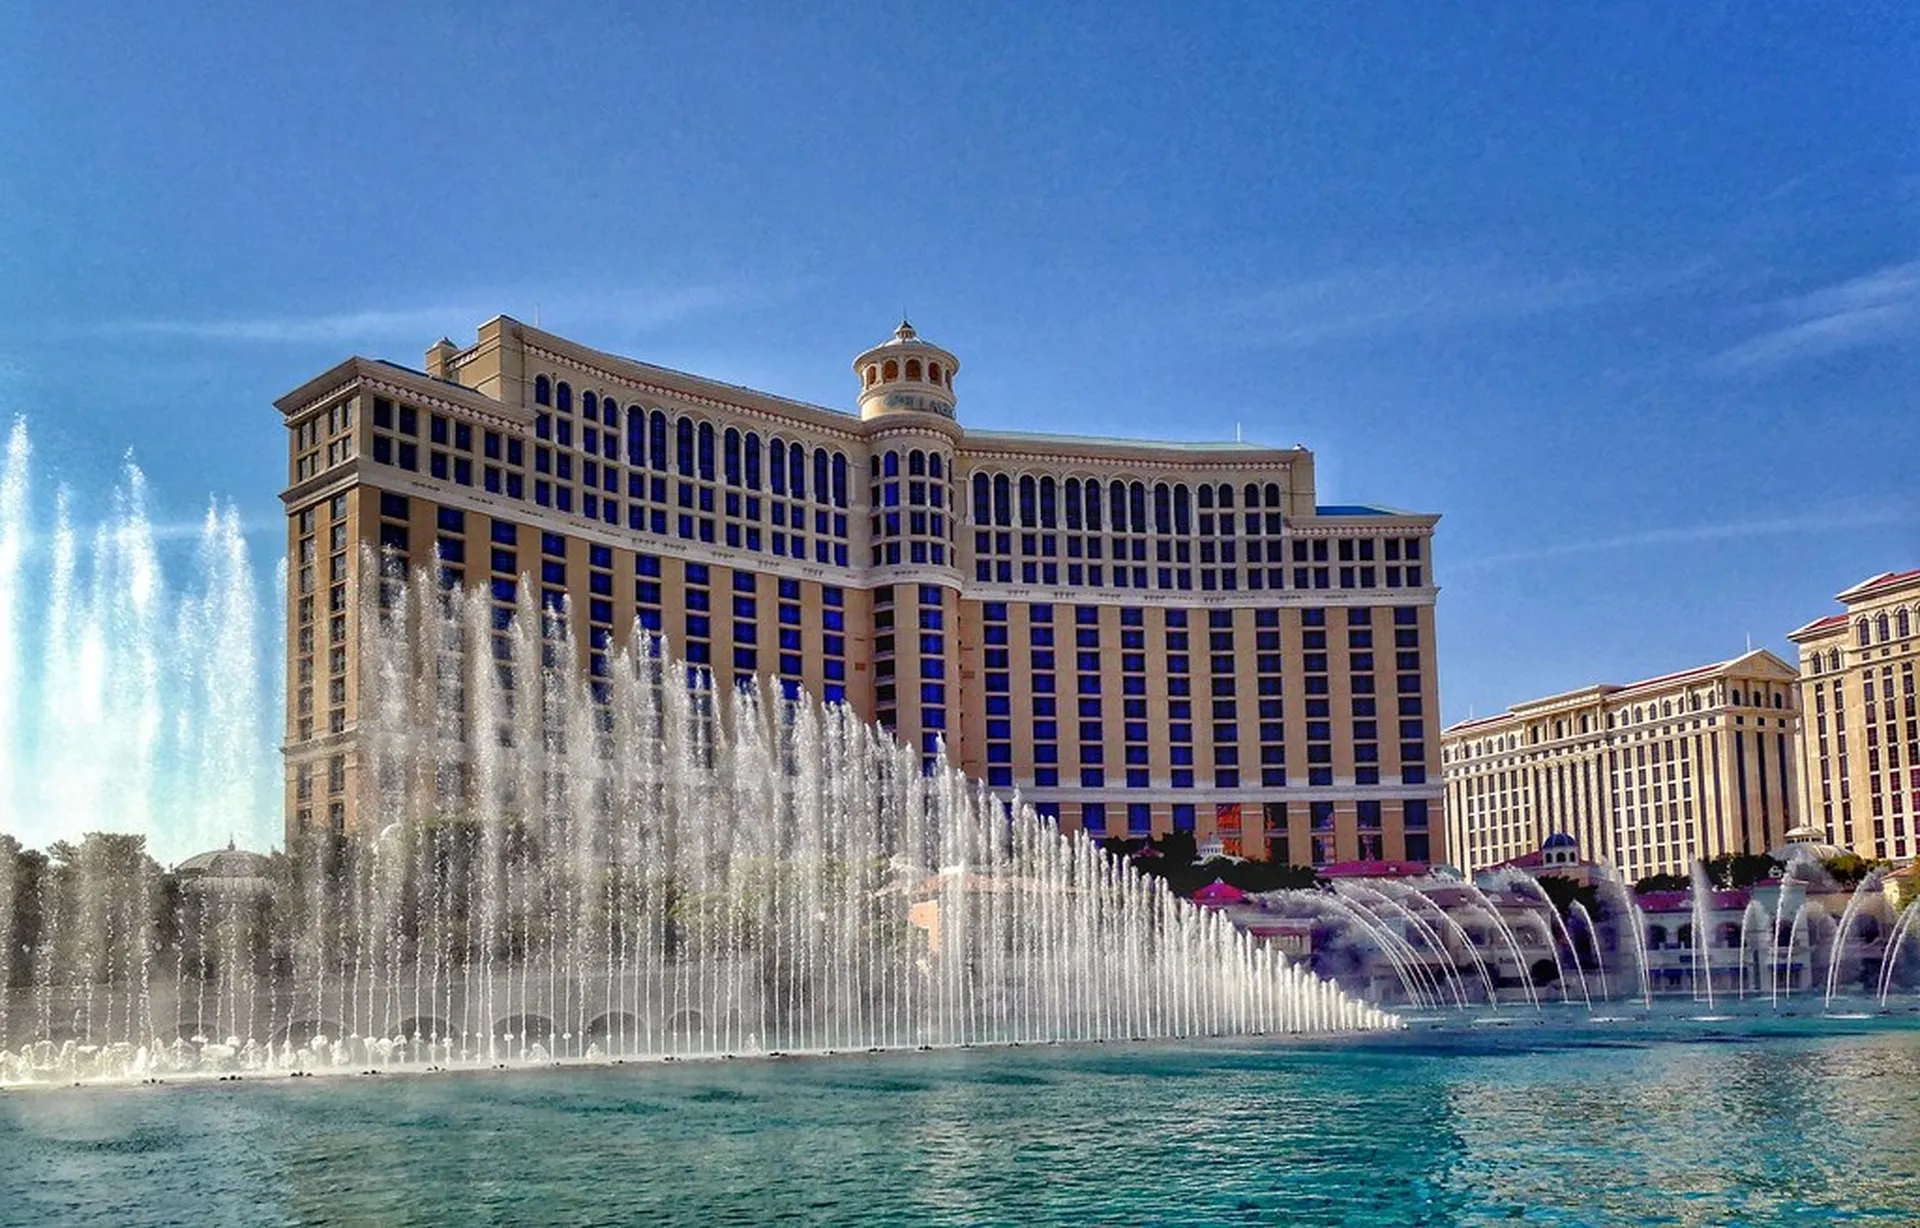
<point>631,311</point>
<point>1877,308</point>
<point>1857,517</point>
<point>1390,300</point>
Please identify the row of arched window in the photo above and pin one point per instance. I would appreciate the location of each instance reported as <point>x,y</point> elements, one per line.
<point>687,446</point>
<point>932,373</point>
<point>1882,627</point>
<point>1047,503</point>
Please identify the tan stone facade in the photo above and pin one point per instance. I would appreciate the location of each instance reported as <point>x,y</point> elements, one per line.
<point>1650,776</point>
<point>1862,738</point>
<point>1137,636</point>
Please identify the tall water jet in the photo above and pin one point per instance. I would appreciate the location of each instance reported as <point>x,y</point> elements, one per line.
<point>1837,957</point>
<point>134,689</point>
<point>13,549</point>
<point>1699,900</point>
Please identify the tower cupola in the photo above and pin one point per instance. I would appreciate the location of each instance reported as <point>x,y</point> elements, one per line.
<point>906,374</point>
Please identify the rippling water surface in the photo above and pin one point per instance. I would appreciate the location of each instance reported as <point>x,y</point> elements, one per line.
<point>1622,1125</point>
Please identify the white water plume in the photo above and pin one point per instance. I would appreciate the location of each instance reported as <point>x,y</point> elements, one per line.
<point>130,696</point>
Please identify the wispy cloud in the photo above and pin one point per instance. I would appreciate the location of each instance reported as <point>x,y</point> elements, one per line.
<point>1390,300</point>
<point>629,310</point>
<point>1864,516</point>
<point>1873,309</point>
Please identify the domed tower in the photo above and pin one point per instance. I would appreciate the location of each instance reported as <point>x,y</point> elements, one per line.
<point>906,374</point>
<point>906,402</point>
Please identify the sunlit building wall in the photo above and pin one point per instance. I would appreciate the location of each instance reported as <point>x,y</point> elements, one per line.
<point>1649,777</point>
<point>1137,636</point>
<point>1862,735</point>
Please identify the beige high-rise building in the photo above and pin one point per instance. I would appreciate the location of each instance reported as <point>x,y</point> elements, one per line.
<point>1139,636</point>
<point>1650,776</point>
<point>1862,739</point>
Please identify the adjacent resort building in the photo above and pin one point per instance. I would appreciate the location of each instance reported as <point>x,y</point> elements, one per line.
<point>1648,777</point>
<point>1138,636</point>
<point>1862,735</point>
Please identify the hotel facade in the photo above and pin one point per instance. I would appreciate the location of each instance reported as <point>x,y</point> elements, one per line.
<point>1139,637</point>
<point>1862,734</point>
<point>1649,777</point>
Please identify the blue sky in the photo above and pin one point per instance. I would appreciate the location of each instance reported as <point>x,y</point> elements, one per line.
<point>1631,296</point>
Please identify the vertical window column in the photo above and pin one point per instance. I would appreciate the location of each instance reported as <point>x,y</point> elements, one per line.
<point>833,643</point>
<point>1179,664</point>
<point>997,683</point>
<point>1365,705</point>
<point>1268,667</point>
<point>1086,644</point>
<point>1046,727</point>
<point>1133,690</point>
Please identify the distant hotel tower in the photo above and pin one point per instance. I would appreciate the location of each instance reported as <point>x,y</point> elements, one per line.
<point>1138,636</point>
<point>1650,776</point>
<point>1862,729</point>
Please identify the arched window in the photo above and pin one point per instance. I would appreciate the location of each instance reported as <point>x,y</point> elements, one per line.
<point>916,464</point>
<point>934,467</point>
<point>890,464</point>
<point>821,463</point>
<point>542,390</point>
<point>796,471</point>
<point>1226,496</point>
<point>1861,627</point>
<point>589,405</point>
<point>730,456</point>
<point>1137,506</point>
<point>563,397</point>
<point>1162,508</point>
<point>683,444</point>
<point>1666,707</point>
<point>1070,493</point>
<point>1093,505</point>
<point>1271,495</point>
<point>752,443</point>
<point>1252,496</point>
<point>933,373</point>
<point>706,451</point>
<point>657,439</point>
<point>891,370</point>
<point>1002,500</point>
<point>839,479</point>
<point>636,436</point>
<point>1205,497</point>
<point>1028,513</point>
<point>913,368</point>
<point>1833,661</point>
<point>1118,502</point>
<point>1882,624</point>
<point>777,465</point>
<point>982,499</point>
<point>873,375</point>
<point>1904,622</point>
<point>1048,493</point>
<point>1182,512</point>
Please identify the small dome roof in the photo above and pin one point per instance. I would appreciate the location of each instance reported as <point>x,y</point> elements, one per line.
<point>1805,843</point>
<point>1560,840</point>
<point>227,867</point>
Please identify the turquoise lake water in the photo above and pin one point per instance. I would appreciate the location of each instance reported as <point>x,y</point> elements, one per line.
<point>1680,1123</point>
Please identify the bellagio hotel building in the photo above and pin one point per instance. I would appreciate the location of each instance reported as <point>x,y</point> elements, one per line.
<point>1137,636</point>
